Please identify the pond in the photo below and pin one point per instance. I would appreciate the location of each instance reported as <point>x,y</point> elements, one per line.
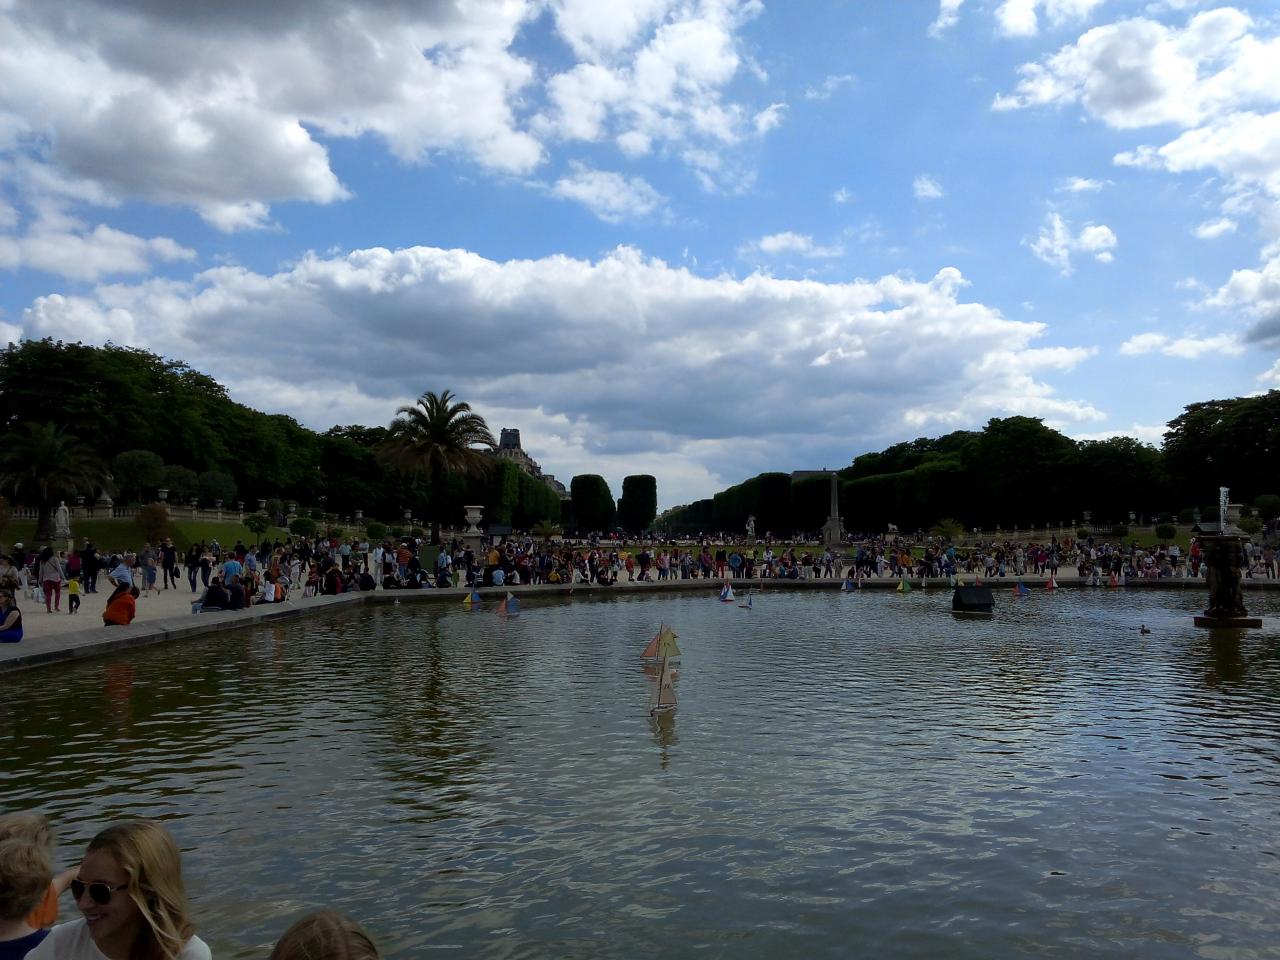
<point>846,774</point>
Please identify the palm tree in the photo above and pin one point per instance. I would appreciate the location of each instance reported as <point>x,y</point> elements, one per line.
<point>546,530</point>
<point>437,437</point>
<point>42,462</point>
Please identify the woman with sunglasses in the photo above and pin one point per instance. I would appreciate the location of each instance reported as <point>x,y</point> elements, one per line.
<point>10,618</point>
<point>129,888</point>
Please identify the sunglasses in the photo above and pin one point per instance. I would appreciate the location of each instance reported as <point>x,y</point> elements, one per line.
<point>99,893</point>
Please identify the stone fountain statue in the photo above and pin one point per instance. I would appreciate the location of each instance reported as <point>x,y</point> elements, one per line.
<point>1224,556</point>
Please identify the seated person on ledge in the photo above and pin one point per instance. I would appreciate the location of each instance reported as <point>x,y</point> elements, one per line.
<point>215,596</point>
<point>10,618</point>
<point>236,593</point>
<point>122,607</point>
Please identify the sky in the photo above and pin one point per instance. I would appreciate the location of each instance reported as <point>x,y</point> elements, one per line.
<point>693,238</point>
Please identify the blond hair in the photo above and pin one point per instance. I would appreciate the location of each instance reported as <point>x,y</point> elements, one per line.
<point>31,827</point>
<point>326,935</point>
<point>150,859</point>
<point>25,874</point>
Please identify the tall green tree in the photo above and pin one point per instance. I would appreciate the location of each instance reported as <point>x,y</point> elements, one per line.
<point>593,506</point>
<point>40,463</point>
<point>638,504</point>
<point>137,472</point>
<point>435,438</point>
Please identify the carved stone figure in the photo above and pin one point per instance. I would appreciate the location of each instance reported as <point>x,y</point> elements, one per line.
<point>1224,558</point>
<point>62,522</point>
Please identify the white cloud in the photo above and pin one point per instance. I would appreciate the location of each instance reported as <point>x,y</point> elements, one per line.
<point>1256,293</point>
<point>1212,229</point>
<point>228,108</point>
<point>213,106</point>
<point>797,243</point>
<point>842,196</point>
<point>1219,78</point>
<point>1271,377</point>
<point>948,14</point>
<point>610,196</point>
<point>1186,347</point>
<point>1056,243</point>
<point>1140,72</point>
<point>606,330</point>
<point>769,117</point>
<point>1152,433</point>
<point>56,243</point>
<point>595,29</point>
<point>1020,18</point>
<point>1082,185</point>
<point>927,188</point>
<point>667,88</point>
<point>829,85</point>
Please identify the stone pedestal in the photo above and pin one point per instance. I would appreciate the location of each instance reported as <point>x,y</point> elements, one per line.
<point>832,532</point>
<point>473,536</point>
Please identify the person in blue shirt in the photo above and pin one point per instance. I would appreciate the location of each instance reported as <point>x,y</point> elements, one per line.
<point>10,618</point>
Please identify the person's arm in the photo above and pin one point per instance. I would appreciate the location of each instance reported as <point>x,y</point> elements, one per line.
<point>9,620</point>
<point>63,880</point>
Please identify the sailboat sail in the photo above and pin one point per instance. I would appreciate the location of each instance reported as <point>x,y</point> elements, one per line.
<point>662,646</point>
<point>665,699</point>
<point>510,607</point>
<point>726,593</point>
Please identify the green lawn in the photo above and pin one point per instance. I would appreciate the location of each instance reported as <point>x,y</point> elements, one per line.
<point>115,535</point>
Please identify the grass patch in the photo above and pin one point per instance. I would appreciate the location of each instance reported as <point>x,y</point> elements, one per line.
<point>113,536</point>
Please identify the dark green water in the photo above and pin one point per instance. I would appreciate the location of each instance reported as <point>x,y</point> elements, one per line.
<point>846,776</point>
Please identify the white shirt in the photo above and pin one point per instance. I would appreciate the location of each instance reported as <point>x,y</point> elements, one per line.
<point>71,941</point>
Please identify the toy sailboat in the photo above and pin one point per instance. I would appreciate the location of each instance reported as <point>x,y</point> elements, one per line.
<point>1051,583</point>
<point>746,604</point>
<point>662,646</point>
<point>904,586</point>
<point>471,598</point>
<point>726,593</point>
<point>1020,590</point>
<point>664,701</point>
<point>848,585</point>
<point>510,607</point>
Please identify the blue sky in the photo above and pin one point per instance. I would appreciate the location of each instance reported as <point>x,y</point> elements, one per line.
<point>695,239</point>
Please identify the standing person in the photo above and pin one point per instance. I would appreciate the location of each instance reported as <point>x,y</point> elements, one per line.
<point>90,564</point>
<point>120,574</point>
<point>51,580</point>
<point>169,563</point>
<point>129,888</point>
<point>207,560</point>
<point>73,595</point>
<point>191,563</point>
<point>10,618</point>
<point>147,560</point>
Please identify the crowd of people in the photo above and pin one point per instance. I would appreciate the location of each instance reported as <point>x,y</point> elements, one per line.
<point>133,905</point>
<point>239,576</point>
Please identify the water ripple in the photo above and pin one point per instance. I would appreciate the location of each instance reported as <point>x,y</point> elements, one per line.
<point>846,774</point>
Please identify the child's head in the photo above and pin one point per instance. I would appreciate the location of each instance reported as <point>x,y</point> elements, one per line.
<point>326,935</point>
<point>26,869</point>
<point>32,828</point>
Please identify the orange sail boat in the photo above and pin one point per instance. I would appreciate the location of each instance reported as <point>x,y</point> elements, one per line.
<point>662,646</point>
